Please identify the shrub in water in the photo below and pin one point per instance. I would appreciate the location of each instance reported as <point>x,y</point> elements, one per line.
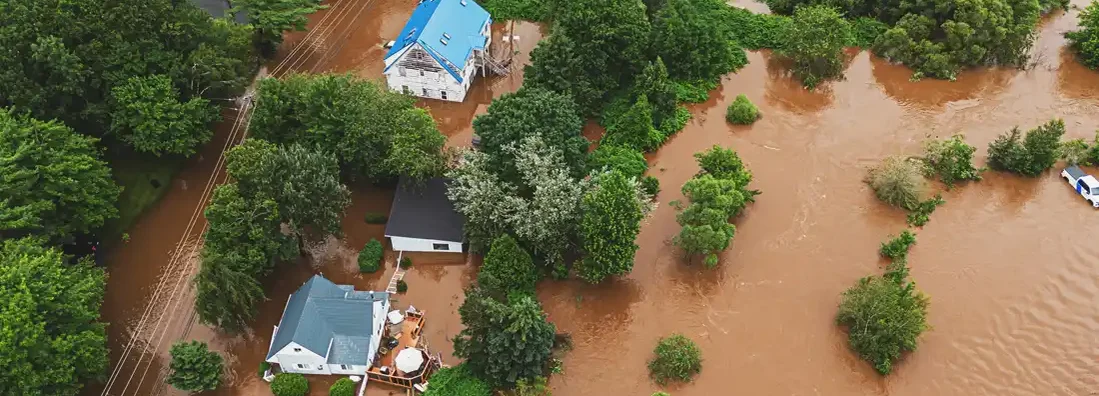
<point>742,111</point>
<point>950,160</point>
<point>342,387</point>
<point>651,185</point>
<point>898,247</point>
<point>457,381</point>
<point>1029,156</point>
<point>677,358</point>
<point>1074,152</point>
<point>376,218</point>
<point>922,214</point>
<point>898,182</point>
<point>1086,40</point>
<point>263,366</point>
<point>406,263</point>
<point>289,384</point>
<point>370,258</point>
<point>402,286</point>
<point>884,318</point>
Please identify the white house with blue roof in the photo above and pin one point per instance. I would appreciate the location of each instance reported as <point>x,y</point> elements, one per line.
<point>438,52</point>
<point>329,329</point>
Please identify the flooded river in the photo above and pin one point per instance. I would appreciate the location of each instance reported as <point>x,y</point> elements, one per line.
<point>1010,264</point>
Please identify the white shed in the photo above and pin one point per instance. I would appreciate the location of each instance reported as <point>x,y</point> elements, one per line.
<point>423,219</point>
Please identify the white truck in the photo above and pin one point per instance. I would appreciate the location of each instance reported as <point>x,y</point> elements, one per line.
<point>1084,184</point>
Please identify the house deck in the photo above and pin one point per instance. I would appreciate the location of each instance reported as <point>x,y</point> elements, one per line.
<point>409,335</point>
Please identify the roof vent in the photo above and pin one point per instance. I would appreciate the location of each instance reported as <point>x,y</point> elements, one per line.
<point>411,33</point>
<point>443,40</point>
<point>446,36</point>
<point>463,3</point>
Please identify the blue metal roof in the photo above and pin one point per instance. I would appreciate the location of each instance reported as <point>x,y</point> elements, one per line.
<point>322,313</point>
<point>434,21</point>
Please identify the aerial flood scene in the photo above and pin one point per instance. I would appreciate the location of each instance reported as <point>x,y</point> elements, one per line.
<point>549,197</point>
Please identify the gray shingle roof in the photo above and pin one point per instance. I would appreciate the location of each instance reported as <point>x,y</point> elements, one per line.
<point>422,210</point>
<point>219,9</point>
<point>321,313</point>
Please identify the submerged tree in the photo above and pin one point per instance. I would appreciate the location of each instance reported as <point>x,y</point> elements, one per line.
<point>612,213</point>
<point>503,342</point>
<point>274,17</point>
<point>815,42</point>
<point>1030,155</point>
<point>718,193</point>
<point>194,367</point>
<point>884,318</point>
<point>52,180</point>
<point>508,268</point>
<point>53,340</point>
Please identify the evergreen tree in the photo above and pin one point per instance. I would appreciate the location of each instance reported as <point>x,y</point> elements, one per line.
<point>503,342</point>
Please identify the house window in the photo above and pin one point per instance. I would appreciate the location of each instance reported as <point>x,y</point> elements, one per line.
<point>405,90</point>
<point>303,366</point>
<point>297,349</point>
<point>425,91</point>
<point>440,246</point>
<point>344,367</point>
<point>320,367</point>
<point>402,71</point>
<point>444,98</point>
<point>421,73</point>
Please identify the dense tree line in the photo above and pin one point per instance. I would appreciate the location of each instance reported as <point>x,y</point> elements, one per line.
<point>376,134</point>
<point>273,186</point>
<point>1085,42</point>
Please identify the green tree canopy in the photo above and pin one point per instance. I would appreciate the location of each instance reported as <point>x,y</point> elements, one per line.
<point>658,88</point>
<point>676,357</point>
<point>457,381</point>
<point>508,268</point>
<point>503,342</point>
<point>377,135</point>
<point>815,42</point>
<point>612,213</point>
<point>52,341</point>
<point>290,384</point>
<point>718,193</point>
<point>61,59</point>
<point>691,35</point>
<point>52,180</point>
<point>532,112</point>
<point>304,183</point>
<point>194,367</point>
<point>273,17</point>
<point>597,47</point>
<point>635,128</point>
<point>342,387</point>
<point>1086,40</point>
<point>1030,155</point>
<point>611,157</point>
<point>148,114</point>
<point>884,318</point>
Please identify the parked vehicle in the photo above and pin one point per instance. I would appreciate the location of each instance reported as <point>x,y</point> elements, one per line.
<point>1086,185</point>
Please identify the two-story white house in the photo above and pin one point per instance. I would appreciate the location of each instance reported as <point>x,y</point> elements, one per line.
<point>439,50</point>
<point>329,329</point>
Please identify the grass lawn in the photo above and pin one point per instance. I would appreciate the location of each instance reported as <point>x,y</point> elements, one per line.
<point>144,180</point>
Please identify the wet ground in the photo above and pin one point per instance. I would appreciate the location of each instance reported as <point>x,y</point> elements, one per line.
<point>1009,263</point>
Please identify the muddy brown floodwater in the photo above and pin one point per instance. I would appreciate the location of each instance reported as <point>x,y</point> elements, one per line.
<point>1010,264</point>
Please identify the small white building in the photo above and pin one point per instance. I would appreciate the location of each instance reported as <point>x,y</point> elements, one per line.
<point>439,50</point>
<point>423,219</point>
<point>329,329</point>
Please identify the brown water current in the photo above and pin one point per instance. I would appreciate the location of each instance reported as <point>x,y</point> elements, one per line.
<point>1010,264</point>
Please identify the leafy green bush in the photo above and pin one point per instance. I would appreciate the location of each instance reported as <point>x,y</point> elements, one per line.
<point>457,381</point>
<point>263,367</point>
<point>522,10</point>
<point>194,368</point>
<point>370,258</point>
<point>1036,153</point>
<point>719,192</point>
<point>815,43</point>
<point>694,91</point>
<point>1085,42</point>
<point>535,387</point>
<point>884,318</point>
<point>375,218</point>
<point>898,182</point>
<point>864,31</point>
<point>742,111</point>
<point>1092,156</point>
<point>406,262</point>
<point>402,286</point>
<point>922,214</point>
<point>342,387</point>
<point>508,268</point>
<point>289,384</point>
<point>1074,151</point>
<point>675,123</point>
<point>950,160</point>
<point>634,129</point>
<point>757,31</point>
<point>677,358</point>
<point>651,185</point>
<point>897,248</point>
<point>661,394</point>
<point>623,159</point>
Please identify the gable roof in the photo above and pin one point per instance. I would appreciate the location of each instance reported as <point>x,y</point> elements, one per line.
<point>422,210</point>
<point>322,313</point>
<point>433,21</point>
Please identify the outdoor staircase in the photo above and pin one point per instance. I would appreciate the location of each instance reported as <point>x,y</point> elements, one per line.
<point>500,68</point>
<point>398,274</point>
